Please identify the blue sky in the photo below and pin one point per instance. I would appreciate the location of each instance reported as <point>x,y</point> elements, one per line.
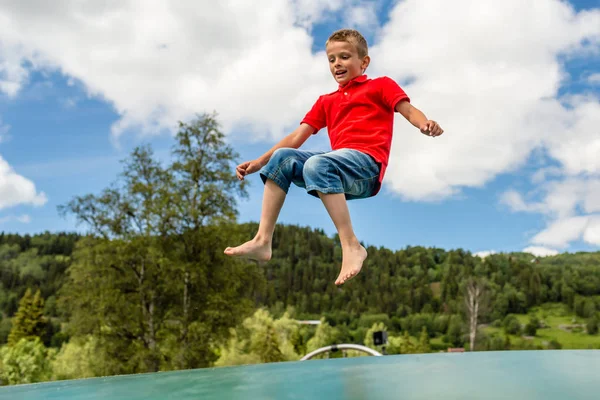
<point>57,135</point>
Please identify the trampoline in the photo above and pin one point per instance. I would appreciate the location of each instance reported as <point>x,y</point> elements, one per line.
<point>514,375</point>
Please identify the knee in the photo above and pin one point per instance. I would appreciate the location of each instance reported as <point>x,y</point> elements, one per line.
<point>314,165</point>
<point>281,155</point>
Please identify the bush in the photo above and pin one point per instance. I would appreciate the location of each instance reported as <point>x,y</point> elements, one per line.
<point>592,325</point>
<point>512,325</point>
<point>531,327</point>
<point>554,345</point>
<point>28,361</point>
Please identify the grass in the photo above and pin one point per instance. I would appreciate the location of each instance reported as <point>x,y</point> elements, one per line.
<point>554,316</point>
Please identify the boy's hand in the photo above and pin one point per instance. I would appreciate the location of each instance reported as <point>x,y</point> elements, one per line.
<point>431,128</point>
<point>247,168</point>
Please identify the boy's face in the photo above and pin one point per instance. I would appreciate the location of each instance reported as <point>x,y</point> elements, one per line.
<point>344,62</point>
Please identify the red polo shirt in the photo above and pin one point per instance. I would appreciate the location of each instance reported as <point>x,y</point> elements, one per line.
<point>360,116</point>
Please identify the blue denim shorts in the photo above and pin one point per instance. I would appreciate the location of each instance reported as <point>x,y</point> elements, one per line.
<point>347,171</point>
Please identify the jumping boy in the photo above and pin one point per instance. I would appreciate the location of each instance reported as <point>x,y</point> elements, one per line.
<point>359,118</point>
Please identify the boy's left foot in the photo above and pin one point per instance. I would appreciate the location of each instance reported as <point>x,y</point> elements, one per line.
<point>352,261</point>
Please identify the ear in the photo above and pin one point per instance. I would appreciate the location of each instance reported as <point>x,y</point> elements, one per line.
<point>365,63</point>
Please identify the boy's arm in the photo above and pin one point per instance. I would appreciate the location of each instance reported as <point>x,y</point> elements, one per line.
<point>293,140</point>
<point>418,119</point>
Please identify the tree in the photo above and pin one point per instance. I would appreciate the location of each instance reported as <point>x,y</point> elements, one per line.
<point>259,339</point>
<point>454,336</point>
<point>407,346</point>
<point>169,280</point>
<point>324,335</point>
<point>424,345</point>
<point>77,359</point>
<point>475,303</point>
<point>592,325</point>
<point>531,327</point>
<point>29,322</point>
<point>26,361</point>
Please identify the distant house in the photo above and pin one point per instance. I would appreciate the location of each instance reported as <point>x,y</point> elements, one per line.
<point>456,350</point>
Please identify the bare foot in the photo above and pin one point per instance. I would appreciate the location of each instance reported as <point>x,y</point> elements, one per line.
<point>253,250</point>
<point>352,261</point>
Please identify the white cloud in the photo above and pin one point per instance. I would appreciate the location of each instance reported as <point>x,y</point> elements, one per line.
<point>24,219</point>
<point>571,205</point>
<point>158,62</point>
<point>309,12</point>
<point>488,71</point>
<point>594,78</point>
<point>16,189</point>
<point>515,201</point>
<point>490,76</point>
<point>540,251</point>
<point>362,16</point>
<point>485,72</point>
<point>484,254</point>
<point>561,232</point>
<point>591,234</point>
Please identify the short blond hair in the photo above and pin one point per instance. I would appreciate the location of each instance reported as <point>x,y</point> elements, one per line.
<point>351,36</point>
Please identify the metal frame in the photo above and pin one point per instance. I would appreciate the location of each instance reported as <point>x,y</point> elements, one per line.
<point>336,347</point>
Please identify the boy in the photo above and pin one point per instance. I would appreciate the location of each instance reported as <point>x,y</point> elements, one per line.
<point>359,118</point>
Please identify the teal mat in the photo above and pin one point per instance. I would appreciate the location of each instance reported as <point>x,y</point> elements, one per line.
<point>514,375</point>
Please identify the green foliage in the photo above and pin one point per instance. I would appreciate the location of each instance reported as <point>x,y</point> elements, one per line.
<point>27,361</point>
<point>407,346</point>
<point>512,325</point>
<point>260,339</point>
<point>325,335</point>
<point>154,283</point>
<point>554,345</point>
<point>455,335</point>
<point>424,343</point>
<point>592,325</point>
<point>77,359</point>
<point>150,288</point>
<point>532,326</point>
<point>29,322</point>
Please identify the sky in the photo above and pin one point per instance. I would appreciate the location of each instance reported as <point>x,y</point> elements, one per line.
<point>515,85</point>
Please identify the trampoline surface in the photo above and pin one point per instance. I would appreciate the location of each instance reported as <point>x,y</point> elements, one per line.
<point>514,375</point>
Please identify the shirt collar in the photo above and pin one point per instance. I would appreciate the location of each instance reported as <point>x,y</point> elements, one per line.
<point>358,79</point>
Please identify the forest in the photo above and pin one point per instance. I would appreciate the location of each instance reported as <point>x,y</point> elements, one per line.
<point>147,287</point>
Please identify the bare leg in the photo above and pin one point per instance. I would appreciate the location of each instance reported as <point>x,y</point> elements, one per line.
<point>259,248</point>
<point>353,253</point>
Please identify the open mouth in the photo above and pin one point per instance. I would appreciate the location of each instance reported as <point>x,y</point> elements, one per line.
<point>339,73</point>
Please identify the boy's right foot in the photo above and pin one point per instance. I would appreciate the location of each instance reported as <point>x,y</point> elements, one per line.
<point>253,250</point>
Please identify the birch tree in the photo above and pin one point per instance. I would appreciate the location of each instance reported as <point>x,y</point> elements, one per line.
<point>475,299</point>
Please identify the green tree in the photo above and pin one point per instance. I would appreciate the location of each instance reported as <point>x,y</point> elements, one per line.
<point>170,225</point>
<point>532,326</point>
<point>27,361</point>
<point>592,325</point>
<point>407,346</point>
<point>424,345</point>
<point>77,359</point>
<point>455,334</point>
<point>325,335</point>
<point>259,339</point>
<point>29,322</point>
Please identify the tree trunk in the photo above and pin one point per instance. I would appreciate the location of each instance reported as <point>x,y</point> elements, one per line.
<point>185,322</point>
<point>472,299</point>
